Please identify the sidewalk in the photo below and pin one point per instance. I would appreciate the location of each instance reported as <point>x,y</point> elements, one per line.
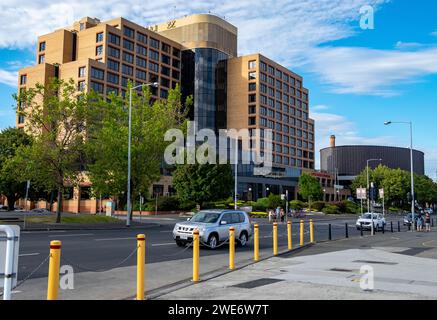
<point>404,268</point>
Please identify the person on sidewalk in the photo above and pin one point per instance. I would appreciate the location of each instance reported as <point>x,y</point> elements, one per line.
<point>428,222</point>
<point>420,223</point>
<point>270,216</point>
<point>282,215</point>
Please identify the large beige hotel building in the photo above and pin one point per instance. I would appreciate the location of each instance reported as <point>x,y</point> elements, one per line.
<point>200,53</point>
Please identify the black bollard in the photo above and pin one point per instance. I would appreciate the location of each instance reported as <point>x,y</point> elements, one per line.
<point>399,226</point>
<point>391,226</point>
<point>409,227</point>
<point>329,233</point>
<point>346,230</point>
<point>361,229</point>
<point>383,228</point>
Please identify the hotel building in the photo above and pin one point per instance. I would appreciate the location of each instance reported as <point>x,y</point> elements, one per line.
<point>200,52</point>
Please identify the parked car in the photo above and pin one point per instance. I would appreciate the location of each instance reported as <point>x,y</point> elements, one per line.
<point>213,226</point>
<point>429,210</point>
<point>40,211</point>
<point>3,208</point>
<point>365,221</point>
<point>408,218</point>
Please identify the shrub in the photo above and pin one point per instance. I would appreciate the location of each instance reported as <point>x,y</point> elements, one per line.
<point>187,205</point>
<point>274,201</point>
<point>331,209</point>
<point>257,214</point>
<point>168,203</point>
<point>318,205</point>
<point>261,204</point>
<point>296,205</point>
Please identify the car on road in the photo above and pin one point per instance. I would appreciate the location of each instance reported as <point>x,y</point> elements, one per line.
<point>40,211</point>
<point>365,221</point>
<point>408,218</point>
<point>213,226</point>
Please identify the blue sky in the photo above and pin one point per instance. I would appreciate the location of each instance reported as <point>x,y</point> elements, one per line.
<point>357,78</point>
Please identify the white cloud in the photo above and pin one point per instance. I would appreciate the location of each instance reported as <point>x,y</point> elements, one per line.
<point>408,45</point>
<point>8,78</point>
<point>319,107</point>
<point>434,34</point>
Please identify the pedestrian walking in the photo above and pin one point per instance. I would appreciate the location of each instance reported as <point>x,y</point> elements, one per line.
<point>427,222</point>
<point>420,223</point>
<point>282,212</point>
<point>270,216</point>
<point>277,214</point>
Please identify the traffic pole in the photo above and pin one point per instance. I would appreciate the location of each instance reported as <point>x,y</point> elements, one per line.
<point>275,239</point>
<point>231,248</point>
<point>311,231</point>
<point>290,236</point>
<point>256,242</point>
<point>141,261</point>
<point>329,232</point>
<point>196,252</point>
<point>346,230</point>
<point>54,264</point>
<point>301,233</point>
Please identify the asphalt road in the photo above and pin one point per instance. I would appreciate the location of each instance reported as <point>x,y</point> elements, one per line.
<point>91,250</point>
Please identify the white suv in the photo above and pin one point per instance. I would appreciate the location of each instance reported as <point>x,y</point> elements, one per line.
<point>213,226</point>
<point>365,221</point>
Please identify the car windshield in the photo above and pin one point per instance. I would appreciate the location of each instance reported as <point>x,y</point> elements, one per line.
<point>205,217</point>
<point>369,216</point>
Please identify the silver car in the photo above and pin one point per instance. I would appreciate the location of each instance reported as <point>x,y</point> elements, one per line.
<point>213,226</point>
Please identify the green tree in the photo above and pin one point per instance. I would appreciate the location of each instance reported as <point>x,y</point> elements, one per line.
<point>203,182</point>
<point>310,188</point>
<point>107,143</point>
<point>55,116</point>
<point>11,184</point>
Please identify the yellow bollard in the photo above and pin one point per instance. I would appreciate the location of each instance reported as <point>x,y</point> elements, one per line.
<point>141,261</point>
<point>196,251</point>
<point>275,238</point>
<point>311,231</point>
<point>301,232</point>
<point>231,248</point>
<point>289,233</point>
<point>54,264</point>
<point>256,242</point>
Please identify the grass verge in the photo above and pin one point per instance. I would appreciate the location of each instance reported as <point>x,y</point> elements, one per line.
<point>78,219</point>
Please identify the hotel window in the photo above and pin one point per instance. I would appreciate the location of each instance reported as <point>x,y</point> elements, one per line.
<point>142,38</point>
<point>271,113</point>
<point>175,74</point>
<point>97,87</point>
<point>165,71</point>
<point>252,98</point>
<point>81,86</point>
<point>165,47</point>
<point>298,84</point>
<point>263,77</point>
<point>128,45</point>
<point>252,64</point>
<point>263,66</point>
<point>263,100</point>
<point>299,143</point>
<point>99,37</point>
<point>263,88</point>
<point>21,119</point>
<point>114,39</point>
<point>262,111</point>
<point>286,139</point>
<point>141,50</point>
<point>113,78</point>
<point>271,124</point>
<point>125,81</point>
<point>176,64</point>
<point>271,92</point>
<point>252,86</point>
<point>153,55</point>
<point>41,59</point>
<point>286,161</point>
<point>113,65</point>
<point>165,82</point>
<point>286,78</point>
<point>128,57</point>
<point>293,82</point>
<point>165,59</point>
<point>141,74</point>
<point>110,90</point>
<point>82,72</point>
<point>128,32</point>
<point>42,46</point>
<point>279,74</point>
<point>271,70</point>
<point>97,74</point>
<point>154,67</point>
<point>271,102</point>
<point>163,94</point>
<point>278,159</point>
<point>263,122</point>
<point>176,52</point>
<point>304,106</point>
<point>127,70</point>
<point>278,85</point>
<point>252,121</point>
<point>154,43</point>
<point>23,79</point>
<point>141,62</point>
<point>298,163</point>
<point>252,109</point>
<point>99,50</point>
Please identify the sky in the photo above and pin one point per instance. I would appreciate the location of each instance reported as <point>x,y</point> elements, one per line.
<point>358,78</point>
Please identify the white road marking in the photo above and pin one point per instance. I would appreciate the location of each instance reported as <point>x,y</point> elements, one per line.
<point>71,235</point>
<point>115,239</point>
<point>163,244</point>
<point>43,231</point>
<point>28,254</point>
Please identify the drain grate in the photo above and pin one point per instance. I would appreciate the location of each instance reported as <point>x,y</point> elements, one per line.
<point>375,262</point>
<point>256,283</point>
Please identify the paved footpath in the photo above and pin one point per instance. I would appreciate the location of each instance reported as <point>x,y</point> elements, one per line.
<point>404,267</point>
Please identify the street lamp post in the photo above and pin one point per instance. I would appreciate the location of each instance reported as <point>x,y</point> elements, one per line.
<point>129,203</point>
<point>411,164</point>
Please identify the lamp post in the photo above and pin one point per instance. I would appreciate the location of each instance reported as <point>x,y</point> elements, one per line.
<point>411,164</point>
<point>368,186</point>
<point>129,203</point>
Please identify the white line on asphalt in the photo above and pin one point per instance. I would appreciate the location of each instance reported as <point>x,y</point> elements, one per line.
<point>115,239</point>
<point>163,244</point>
<point>71,235</point>
<point>28,254</point>
<point>43,231</point>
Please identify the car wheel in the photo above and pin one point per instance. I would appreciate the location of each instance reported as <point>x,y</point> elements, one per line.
<point>212,241</point>
<point>181,243</point>
<point>242,241</point>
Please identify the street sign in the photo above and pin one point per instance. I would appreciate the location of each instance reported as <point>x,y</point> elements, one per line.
<point>361,193</point>
<point>381,193</point>
<point>338,186</point>
<point>3,244</point>
<point>282,196</point>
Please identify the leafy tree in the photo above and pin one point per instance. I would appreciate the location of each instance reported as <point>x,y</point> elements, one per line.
<point>11,185</point>
<point>107,144</point>
<point>55,116</point>
<point>310,188</point>
<point>203,182</point>
<point>275,201</point>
